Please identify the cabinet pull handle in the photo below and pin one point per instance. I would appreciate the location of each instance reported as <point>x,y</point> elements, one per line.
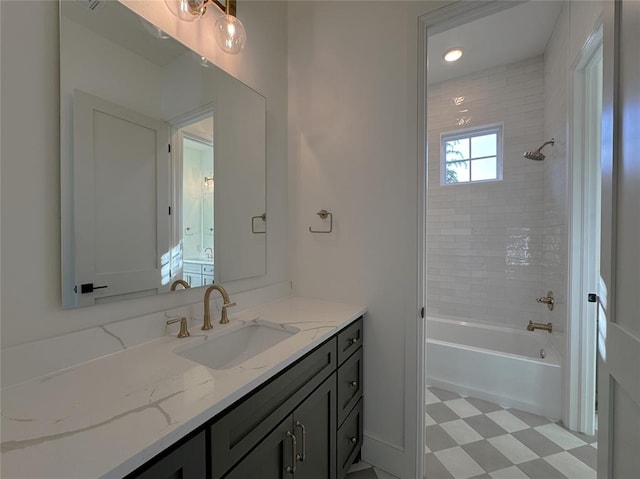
<point>353,384</point>
<point>294,455</point>
<point>353,440</point>
<point>302,457</point>
<point>353,340</point>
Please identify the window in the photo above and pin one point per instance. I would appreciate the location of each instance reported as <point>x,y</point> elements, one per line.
<point>471,155</point>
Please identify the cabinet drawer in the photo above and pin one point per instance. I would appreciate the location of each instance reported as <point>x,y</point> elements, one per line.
<point>349,440</point>
<point>349,384</point>
<point>191,268</point>
<point>349,340</point>
<point>207,269</point>
<point>241,428</point>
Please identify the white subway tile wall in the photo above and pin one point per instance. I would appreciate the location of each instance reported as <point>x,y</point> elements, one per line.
<point>554,222</point>
<point>490,244</point>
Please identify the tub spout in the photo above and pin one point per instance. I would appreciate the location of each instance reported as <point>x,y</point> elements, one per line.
<point>533,326</point>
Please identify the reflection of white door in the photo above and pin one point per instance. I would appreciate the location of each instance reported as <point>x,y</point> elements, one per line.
<point>121,201</point>
<point>619,310</point>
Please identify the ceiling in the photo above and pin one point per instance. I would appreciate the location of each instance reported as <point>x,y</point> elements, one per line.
<point>516,33</point>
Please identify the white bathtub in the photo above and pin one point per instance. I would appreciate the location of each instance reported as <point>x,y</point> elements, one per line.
<point>496,364</point>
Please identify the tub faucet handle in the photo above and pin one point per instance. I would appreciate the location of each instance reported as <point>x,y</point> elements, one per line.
<point>548,300</point>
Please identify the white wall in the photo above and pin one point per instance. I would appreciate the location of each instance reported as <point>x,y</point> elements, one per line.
<point>484,257</point>
<point>30,191</point>
<point>353,111</point>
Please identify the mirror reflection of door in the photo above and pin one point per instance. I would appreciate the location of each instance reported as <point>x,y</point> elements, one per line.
<point>196,231</point>
<point>120,214</point>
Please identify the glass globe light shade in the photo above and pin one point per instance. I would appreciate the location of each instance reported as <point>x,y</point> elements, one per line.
<point>186,10</point>
<point>230,33</point>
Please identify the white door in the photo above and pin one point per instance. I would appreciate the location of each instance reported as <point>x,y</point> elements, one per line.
<point>619,310</point>
<point>121,201</point>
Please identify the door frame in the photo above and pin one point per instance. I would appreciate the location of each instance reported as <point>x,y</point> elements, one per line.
<point>430,23</point>
<point>176,135</point>
<point>583,243</point>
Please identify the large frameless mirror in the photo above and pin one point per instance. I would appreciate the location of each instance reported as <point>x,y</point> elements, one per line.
<point>162,162</point>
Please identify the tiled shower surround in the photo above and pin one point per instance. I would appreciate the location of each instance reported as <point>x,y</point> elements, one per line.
<point>486,241</point>
<point>554,223</point>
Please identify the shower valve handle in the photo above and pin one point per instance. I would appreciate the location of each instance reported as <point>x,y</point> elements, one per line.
<point>548,300</point>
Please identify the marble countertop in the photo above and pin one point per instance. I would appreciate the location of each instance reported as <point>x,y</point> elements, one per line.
<point>106,417</point>
<point>205,261</point>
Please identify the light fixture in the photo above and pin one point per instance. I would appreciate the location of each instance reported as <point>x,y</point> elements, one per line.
<point>155,31</point>
<point>230,33</point>
<point>186,10</point>
<point>453,55</point>
<point>208,183</point>
<point>228,30</point>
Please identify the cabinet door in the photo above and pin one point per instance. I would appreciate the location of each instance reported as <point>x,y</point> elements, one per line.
<point>194,279</point>
<point>271,457</point>
<point>186,462</point>
<point>315,429</point>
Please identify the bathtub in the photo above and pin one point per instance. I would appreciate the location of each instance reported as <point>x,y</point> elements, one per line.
<point>497,364</point>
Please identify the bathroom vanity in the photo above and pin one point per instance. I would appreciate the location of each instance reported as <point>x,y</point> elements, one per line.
<point>293,409</point>
<point>306,422</point>
<point>198,273</point>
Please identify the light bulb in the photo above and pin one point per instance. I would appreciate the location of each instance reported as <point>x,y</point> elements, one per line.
<point>230,33</point>
<point>186,10</point>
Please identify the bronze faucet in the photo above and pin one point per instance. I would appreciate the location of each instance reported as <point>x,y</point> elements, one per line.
<point>227,304</point>
<point>175,284</point>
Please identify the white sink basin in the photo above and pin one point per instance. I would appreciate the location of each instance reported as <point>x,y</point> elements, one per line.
<point>231,347</point>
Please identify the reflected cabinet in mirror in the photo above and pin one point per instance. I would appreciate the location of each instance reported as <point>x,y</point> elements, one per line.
<point>162,162</point>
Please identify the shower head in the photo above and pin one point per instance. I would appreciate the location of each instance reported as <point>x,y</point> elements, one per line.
<point>537,155</point>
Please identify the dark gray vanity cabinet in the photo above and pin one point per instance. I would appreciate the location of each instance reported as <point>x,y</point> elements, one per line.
<point>350,402</point>
<point>187,461</point>
<point>302,446</point>
<point>236,432</point>
<point>305,423</point>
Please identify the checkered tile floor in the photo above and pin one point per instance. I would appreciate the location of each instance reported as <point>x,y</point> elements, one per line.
<point>472,438</point>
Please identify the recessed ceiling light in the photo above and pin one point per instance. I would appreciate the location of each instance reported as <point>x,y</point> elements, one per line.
<point>453,55</point>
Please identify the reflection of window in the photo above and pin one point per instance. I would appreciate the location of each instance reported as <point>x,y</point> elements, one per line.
<point>471,155</point>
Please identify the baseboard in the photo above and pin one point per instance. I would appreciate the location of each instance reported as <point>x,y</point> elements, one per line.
<point>383,456</point>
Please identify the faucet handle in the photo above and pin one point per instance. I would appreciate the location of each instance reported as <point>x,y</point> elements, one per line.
<point>224,318</point>
<point>184,332</point>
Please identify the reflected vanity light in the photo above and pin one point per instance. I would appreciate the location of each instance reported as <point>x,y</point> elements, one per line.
<point>228,30</point>
<point>155,31</point>
<point>453,55</point>
<point>208,183</point>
